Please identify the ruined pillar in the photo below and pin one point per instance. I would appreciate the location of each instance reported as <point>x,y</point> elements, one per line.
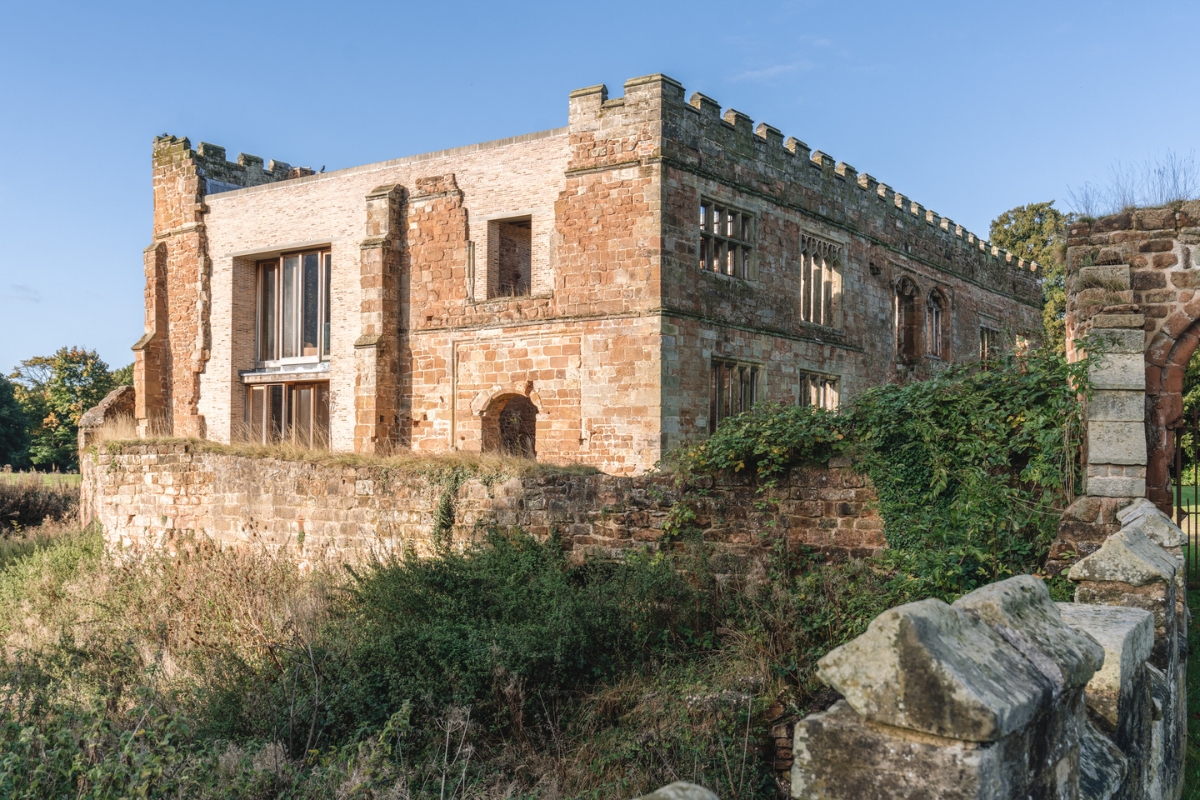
<point>377,349</point>
<point>1116,412</point>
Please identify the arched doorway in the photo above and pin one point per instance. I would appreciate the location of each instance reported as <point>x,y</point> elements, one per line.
<point>510,426</point>
<point>1166,368</point>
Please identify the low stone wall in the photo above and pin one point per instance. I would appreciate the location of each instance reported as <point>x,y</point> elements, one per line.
<point>146,495</point>
<point>1005,694</point>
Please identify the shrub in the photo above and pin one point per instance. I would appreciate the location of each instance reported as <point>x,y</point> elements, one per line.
<point>30,498</point>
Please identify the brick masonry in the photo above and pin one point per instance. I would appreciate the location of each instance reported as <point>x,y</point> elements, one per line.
<point>1136,274</point>
<point>613,341</point>
<point>147,495</point>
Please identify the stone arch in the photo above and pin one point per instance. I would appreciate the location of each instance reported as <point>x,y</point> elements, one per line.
<point>1166,362</point>
<point>510,426</point>
<point>908,321</point>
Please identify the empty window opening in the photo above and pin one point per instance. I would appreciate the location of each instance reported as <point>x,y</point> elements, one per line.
<point>510,427</point>
<point>935,324</point>
<point>293,307</point>
<point>726,240</point>
<point>733,388</point>
<point>907,320</point>
<point>295,413</point>
<point>989,343</point>
<point>818,390</point>
<point>513,246</point>
<point>820,281</point>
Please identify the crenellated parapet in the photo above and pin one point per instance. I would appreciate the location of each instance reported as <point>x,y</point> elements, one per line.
<point>220,175</point>
<point>759,159</point>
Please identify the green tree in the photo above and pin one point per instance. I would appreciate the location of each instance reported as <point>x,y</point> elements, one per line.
<point>14,427</point>
<point>54,391</point>
<point>123,376</point>
<point>1034,232</point>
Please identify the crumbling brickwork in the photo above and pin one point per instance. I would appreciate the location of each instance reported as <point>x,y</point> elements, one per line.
<point>146,495</point>
<point>567,267</point>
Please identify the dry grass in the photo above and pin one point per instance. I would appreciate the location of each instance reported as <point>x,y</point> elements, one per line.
<point>30,498</point>
<point>407,461</point>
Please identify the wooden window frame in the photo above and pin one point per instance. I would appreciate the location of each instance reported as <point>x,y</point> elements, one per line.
<point>324,315</point>
<point>265,431</point>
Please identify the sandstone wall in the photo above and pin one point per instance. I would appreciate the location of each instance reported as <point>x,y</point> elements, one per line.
<point>145,495</point>
<point>1005,694</point>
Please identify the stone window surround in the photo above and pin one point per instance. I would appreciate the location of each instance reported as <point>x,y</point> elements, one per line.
<point>749,374</point>
<point>745,241</point>
<point>481,277</point>
<point>937,323</point>
<point>810,381</point>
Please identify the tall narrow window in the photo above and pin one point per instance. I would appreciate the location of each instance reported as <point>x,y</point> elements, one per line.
<point>818,390</point>
<point>733,388</point>
<point>820,281</point>
<point>989,343</point>
<point>906,321</point>
<point>293,306</point>
<point>935,321</point>
<point>726,240</point>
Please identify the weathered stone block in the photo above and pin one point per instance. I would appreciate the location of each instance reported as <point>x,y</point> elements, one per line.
<point>680,790</point>
<point>1126,557</point>
<point>1116,487</point>
<point>1127,637</point>
<point>1021,611</point>
<point>973,685</point>
<point>1116,442</point>
<point>1119,371</point>
<point>1117,406</point>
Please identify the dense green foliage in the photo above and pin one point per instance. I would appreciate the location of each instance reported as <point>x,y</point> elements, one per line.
<point>972,467</point>
<point>14,428</point>
<point>54,392</point>
<point>1037,231</point>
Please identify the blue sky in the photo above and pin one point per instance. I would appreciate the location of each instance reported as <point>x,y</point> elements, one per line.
<point>968,108</point>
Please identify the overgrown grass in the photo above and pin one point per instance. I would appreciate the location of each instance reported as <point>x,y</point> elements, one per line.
<point>29,498</point>
<point>502,671</point>
<point>401,460</point>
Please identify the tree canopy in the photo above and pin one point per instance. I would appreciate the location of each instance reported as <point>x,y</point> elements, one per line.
<point>1034,232</point>
<point>53,392</point>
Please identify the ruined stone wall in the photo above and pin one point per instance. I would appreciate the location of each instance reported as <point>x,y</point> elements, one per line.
<point>330,209</point>
<point>147,495</point>
<point>612,203</point>
<point>1005,694</point>
<point>792,193</point>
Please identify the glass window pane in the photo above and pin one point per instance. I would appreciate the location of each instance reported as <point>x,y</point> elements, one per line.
<point>302,414</point>
<point>326,303</point>
<point>703,253</point>
<point>266,312</point>
<point>274,427</point>
<point>310,304</point>
<point>257,408</point>
<point>291,288</point>
<point>321,416</point>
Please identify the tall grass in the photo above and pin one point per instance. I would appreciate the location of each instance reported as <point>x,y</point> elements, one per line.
<point>500,672</point>
<point>29,499</point>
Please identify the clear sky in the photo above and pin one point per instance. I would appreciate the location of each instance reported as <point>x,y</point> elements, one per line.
<point>968,108</point>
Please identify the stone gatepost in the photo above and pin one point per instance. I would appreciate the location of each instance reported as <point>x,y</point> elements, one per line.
<point>1116,414</point>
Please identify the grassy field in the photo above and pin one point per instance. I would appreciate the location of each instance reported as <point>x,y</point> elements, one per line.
<point>48,478</point>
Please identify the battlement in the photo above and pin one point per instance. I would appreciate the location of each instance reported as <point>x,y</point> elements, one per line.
<point>221,175</point>
<point>734,135</point>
